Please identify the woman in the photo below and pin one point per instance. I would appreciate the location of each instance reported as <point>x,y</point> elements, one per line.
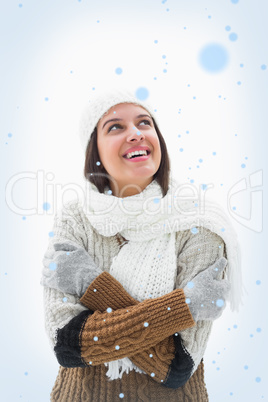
<point>133,277</point>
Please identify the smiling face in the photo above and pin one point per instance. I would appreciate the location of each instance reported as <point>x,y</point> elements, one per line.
<point>127,126</point>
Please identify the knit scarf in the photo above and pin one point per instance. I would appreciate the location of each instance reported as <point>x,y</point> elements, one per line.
<point>149,222</point>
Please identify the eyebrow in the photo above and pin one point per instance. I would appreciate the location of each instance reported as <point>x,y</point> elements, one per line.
<point>137,117</point>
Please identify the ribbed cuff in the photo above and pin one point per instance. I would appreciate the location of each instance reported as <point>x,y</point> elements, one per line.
<point>105,291</point>
<point>172,304</point>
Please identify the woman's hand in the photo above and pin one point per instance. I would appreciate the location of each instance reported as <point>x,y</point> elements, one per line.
<point>69,268</point>
<point>206,294</point>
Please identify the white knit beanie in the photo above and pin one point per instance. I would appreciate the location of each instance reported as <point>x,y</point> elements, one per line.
<point>99,105</point>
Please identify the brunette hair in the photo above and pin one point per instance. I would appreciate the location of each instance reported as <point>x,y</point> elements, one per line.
<point>100,177</point>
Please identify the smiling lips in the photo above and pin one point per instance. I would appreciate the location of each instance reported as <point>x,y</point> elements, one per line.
<point>139,158</point>
<point>139,148</point>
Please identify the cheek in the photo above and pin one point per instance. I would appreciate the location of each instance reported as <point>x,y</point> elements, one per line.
<point>158,151</point>
<point>108,150</point>
<point>156,145</point>
<point>102,151</point>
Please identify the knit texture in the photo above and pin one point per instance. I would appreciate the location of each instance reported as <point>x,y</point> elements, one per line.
<point>73,268</point>
<point>127,331</point>
<point>95,338</point>
<point>105,291</point>
<point>90,385</point>
<point>194,253</point>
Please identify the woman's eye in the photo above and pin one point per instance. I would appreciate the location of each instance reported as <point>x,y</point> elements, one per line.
<point>114,125</point>
<point>146,121</point>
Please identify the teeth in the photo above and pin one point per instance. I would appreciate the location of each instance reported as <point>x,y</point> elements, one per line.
<point>136,153</point>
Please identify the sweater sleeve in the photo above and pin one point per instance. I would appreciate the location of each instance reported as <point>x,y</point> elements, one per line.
<point>60,308</point>
<point>197,252</point>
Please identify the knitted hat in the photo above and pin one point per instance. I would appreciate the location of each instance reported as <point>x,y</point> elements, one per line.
<point>101,104</point>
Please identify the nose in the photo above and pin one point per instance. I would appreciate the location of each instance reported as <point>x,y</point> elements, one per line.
<point>134,134</point>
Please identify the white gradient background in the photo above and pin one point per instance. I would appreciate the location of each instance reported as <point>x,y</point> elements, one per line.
<point>58,50</point>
